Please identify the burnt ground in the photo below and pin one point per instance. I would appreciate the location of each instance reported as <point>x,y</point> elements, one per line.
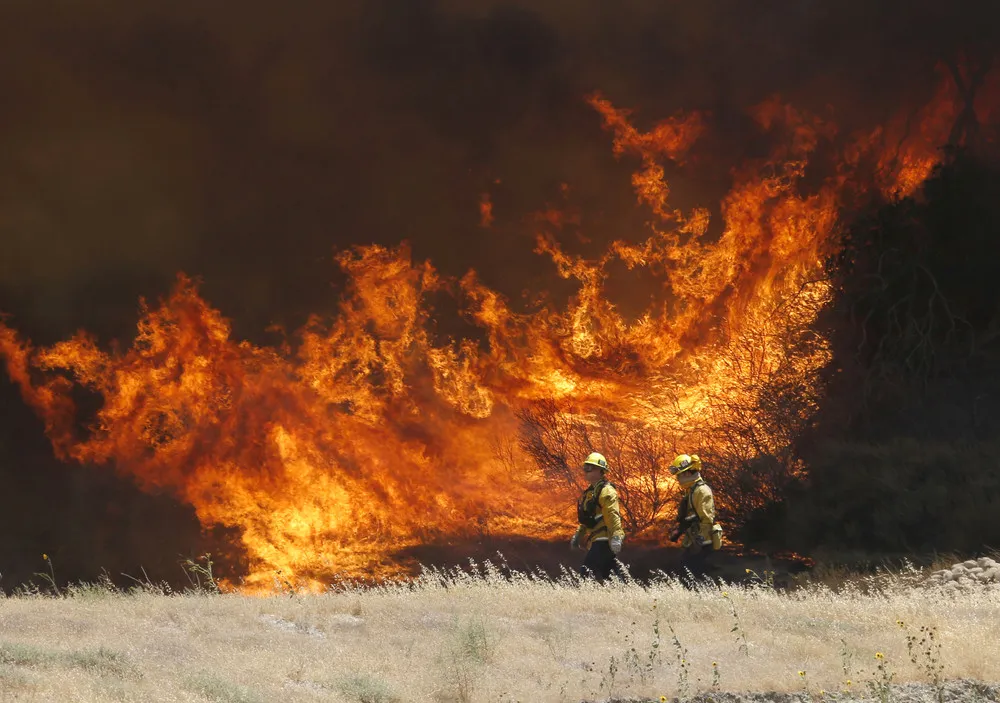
<point>643,559</point>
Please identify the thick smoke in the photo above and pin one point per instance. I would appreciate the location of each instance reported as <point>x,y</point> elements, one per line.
<point>244,144</point>
<point>145,138</point>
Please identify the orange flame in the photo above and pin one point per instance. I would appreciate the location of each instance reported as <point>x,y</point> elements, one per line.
<point>367,437</point>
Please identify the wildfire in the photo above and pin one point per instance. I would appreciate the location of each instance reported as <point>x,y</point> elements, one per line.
<point>368,436</point>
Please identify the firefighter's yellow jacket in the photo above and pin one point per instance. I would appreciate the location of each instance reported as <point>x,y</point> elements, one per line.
<point>610,523</point>
<point>698,497</point>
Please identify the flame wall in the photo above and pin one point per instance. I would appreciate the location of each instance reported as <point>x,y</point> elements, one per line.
<point>372,426</point>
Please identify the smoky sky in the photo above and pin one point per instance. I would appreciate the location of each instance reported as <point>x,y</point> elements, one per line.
<point>243,144</point>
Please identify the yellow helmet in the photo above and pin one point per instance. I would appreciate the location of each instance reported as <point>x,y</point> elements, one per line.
<point>597,459</point>
<point>685,462</point>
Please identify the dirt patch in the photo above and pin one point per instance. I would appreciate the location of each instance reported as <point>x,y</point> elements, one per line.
<point>958,691</point>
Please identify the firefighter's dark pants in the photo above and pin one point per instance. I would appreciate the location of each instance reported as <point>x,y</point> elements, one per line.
<point>696,560</point>
<point>600,562</point>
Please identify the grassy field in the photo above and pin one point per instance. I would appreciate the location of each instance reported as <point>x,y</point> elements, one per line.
<point>464,638</point>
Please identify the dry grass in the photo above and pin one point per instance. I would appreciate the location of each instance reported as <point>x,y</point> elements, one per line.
<point>452,637</point>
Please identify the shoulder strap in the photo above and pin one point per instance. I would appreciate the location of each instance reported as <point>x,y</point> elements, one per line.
<point>690,500</point>
<point>598,489</point>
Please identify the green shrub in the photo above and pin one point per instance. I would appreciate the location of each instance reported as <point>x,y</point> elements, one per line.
<point>366,689</point>
<point>216,689</point>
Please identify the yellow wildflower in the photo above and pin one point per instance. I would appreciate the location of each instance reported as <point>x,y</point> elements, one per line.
<point>879,655</point>
<point>802,673</point>
<point>663,699</point>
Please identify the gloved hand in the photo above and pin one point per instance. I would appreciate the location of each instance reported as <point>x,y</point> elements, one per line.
<point>676,534</point>
<point>716,537</point>
<point>615,544</point>
<point>574,541</point>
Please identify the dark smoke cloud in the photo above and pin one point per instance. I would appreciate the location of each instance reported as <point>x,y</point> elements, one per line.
<point>242,142</point>
<point>143,138</point>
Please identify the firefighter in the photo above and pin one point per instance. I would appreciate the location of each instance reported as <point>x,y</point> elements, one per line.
<point>696,527</point>
<point>600,530</point>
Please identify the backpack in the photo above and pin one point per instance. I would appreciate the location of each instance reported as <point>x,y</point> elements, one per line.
<point>588,512</point>
<point>686,514</point>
